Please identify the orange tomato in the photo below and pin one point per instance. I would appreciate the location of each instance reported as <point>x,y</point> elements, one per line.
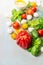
<point>30,11</point>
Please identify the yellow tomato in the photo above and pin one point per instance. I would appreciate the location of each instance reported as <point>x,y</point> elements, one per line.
<point>33,4</point>
<point>18,30</point>
<point>25,26</point>
<point>13,36</point>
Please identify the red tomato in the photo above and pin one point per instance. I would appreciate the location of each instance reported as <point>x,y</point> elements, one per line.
<point>40,32</point>
<point>30,11</point>
<point>24,16</point>
<point>16,25</point>
<point>34,9</point>
<point>24,39</point>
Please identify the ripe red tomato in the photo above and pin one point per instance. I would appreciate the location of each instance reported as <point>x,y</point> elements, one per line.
<point>24,16</point>
<point>34,9</point>
<point>24,39</point>
<point>40,32</point>
<point>30,11</point>
<point>16,25</point>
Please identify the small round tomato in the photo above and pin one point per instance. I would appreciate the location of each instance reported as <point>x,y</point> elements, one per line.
<point>30,11</point>
<point>13,36</point>
<point>18,30</point>
<point>34,9</point>
<point>33,4</point>
<point>24,16</point>
<point>16,25</point>
<point>25,26</point>
<point>40,32</point>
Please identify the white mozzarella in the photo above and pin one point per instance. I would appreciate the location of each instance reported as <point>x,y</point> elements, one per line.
<point>23,21</point>
<point>36,14</point>
<point>29,17</point>
<point>10,30</point>
<point>30,29</point>
<point>41,49</point>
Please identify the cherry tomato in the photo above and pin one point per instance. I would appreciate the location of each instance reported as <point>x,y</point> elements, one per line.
<point>33,4</point>
<point>40,32</point>
<point>24,16</point>
<point>13,36</point>
<point>30,11</point>
<point>34,9</point>
<point>16,25</point>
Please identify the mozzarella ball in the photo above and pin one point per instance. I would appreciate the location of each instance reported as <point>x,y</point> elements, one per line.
<point>30,29</point>
<point>41,49</point>
<point>36,14</point>
<point>29,17</point>
<point>23,21</point>
<point>10,30</point>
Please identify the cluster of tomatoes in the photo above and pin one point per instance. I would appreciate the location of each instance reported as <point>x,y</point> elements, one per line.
<point>19,32</point>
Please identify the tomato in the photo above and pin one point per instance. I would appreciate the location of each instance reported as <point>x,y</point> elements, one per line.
<point>24,39</point>
<point>18,30</point>
<point>25,26</point>
<point>34,9</point>
<point>33,4</point>
<point>13,36</point>
<point>30,11</point>
<point>40,32</point>
<point>16,25</point>
<point>24,16</point>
